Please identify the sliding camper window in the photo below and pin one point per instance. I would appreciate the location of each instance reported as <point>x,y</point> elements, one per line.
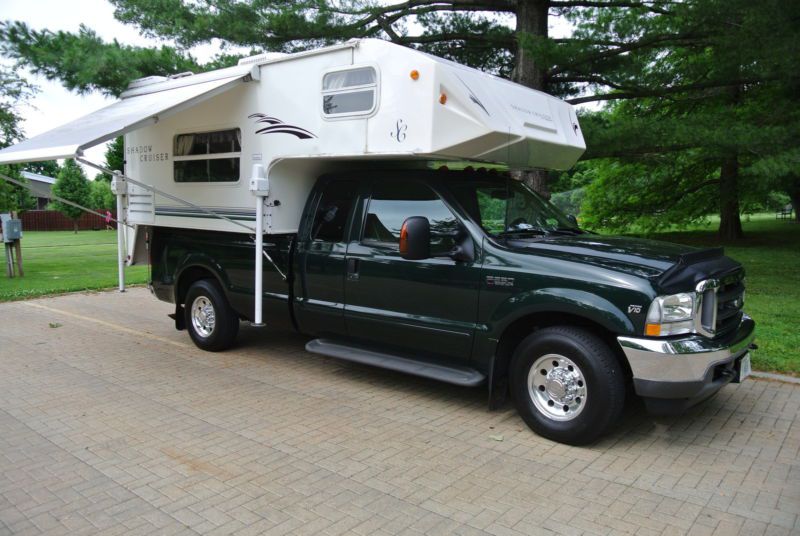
<point>208,156</point>
<point>350,92</point>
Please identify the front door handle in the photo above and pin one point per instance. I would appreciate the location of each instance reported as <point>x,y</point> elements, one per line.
<point>352,269</point>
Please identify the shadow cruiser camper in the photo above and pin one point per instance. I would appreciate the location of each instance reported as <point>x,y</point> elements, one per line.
<point>299,190</point>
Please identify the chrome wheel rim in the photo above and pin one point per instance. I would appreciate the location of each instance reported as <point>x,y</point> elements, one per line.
<point>557,387</point>
<point>203,316</point>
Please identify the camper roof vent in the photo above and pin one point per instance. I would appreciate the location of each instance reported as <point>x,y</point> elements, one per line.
<point>262,58</point>
<point>146,81</point>
<point>181,75</point>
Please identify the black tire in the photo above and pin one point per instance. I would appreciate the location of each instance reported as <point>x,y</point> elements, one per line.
<point>599,377</point>
<point>222,334</point>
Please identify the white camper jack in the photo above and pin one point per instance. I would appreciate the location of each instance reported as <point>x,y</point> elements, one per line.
<point>200,148</point>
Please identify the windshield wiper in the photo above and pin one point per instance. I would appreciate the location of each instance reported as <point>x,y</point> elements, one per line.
<point>534,232</point>
<point>567,230</point>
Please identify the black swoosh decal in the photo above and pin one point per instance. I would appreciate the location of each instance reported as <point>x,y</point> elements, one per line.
<point>473,97</point>
<point>279,127</point>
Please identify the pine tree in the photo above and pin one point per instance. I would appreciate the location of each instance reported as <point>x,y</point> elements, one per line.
<point>703,125</point>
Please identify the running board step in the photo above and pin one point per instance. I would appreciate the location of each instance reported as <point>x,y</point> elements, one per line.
<point>456,375</point>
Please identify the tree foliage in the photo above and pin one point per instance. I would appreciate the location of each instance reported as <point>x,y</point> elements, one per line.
<point>48,168</point>
<point>715,120</point>
<point>84,63</point>
<point>114,158</point>
<point>100,195</point>
<point>72,185</point>
<point>14,93</point>
<point>699,94</point>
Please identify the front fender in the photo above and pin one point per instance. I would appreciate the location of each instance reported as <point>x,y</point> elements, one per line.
<point>560,300</point>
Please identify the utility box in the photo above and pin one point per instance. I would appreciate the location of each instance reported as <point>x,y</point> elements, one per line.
<point>12,228</point>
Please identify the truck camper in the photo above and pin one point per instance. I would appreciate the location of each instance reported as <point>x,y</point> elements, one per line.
<point>360,194</point>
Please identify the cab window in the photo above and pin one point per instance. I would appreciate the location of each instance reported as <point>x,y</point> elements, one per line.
<point>394,201</point>
<point>334,206</point>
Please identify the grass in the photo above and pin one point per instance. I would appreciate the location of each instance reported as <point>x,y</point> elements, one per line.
<point>62,261</point>
<point>770,253</point>
<point>57,262</point>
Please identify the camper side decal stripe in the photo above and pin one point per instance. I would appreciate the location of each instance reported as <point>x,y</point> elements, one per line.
<point>186,212</point>
<point>276,126</point>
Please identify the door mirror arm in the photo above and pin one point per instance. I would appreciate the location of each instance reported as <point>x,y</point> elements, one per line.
<point>464,250</point>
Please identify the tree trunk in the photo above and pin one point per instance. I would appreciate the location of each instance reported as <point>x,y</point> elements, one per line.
<point>532,17</point>
<point>794,195</point>
<point>730,224</point>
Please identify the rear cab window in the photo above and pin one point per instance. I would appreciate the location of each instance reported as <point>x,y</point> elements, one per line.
<point>333,209</point>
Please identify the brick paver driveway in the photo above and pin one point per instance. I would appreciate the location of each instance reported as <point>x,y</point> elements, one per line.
<point>111,421</point>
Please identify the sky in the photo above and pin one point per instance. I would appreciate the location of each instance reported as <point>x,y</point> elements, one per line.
<point>53,105</point>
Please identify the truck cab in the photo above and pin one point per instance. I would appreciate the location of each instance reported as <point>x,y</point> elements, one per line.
<point>471,278</point>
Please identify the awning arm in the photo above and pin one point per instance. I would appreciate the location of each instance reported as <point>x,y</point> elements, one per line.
<point>165,194</point>
<point>51,195</point>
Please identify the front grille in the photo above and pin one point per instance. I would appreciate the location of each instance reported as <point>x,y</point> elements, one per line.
<point>721,305</point>
<point>730,300</point>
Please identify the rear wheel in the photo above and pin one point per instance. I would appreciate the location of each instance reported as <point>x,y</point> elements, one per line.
<point>567,384</point>
<point>210,320</point>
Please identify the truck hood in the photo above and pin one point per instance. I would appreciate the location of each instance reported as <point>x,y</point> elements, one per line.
<point>636,256</point>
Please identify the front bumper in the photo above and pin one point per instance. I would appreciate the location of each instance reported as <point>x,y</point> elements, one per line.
<point>672,375</point>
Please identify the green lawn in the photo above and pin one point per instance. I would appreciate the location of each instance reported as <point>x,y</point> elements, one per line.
<point>62,261</point>
<point>770,253</point>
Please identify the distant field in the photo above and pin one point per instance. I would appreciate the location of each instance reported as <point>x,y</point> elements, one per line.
<point>770,253</point>
<point>62,261</point>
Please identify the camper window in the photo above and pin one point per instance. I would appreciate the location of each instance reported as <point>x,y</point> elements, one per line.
<point>350,92</point>
<point>208,156</point>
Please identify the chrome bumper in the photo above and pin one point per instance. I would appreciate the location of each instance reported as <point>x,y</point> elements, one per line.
<point>683,368</point>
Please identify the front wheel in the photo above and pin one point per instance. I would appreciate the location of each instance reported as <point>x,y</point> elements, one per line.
<point>210,320</point>
<point>567,384</point>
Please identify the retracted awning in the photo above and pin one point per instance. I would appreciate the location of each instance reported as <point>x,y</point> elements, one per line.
<point>138,107</point>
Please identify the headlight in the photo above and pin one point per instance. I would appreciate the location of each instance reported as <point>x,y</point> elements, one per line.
<point>671,315</point>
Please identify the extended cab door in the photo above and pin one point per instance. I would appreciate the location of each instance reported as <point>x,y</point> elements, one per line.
<point>319,290</point>
<point>424,307</point>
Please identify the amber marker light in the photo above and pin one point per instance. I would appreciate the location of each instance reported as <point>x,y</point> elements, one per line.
<point>414,75</point>
<point>403,239</point>
<point>442,98</point>
<point>652,330</point>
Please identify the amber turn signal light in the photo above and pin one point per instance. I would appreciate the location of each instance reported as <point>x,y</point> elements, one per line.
<point>404,239</point>
<point>442,98</point>
<point>414,75</point>
<point>652,330</point>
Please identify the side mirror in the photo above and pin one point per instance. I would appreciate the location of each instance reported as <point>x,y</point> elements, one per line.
<point>464,248</point>
<point>572,219</point>
<point>415,238</point>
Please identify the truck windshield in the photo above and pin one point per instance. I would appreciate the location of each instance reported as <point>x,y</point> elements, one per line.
<point>505,207</point>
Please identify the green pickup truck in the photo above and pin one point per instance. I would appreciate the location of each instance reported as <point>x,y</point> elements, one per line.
<point>471,278</point>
